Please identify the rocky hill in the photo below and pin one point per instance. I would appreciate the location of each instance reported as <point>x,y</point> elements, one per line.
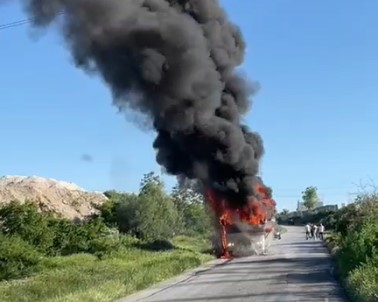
<point>59,197</point>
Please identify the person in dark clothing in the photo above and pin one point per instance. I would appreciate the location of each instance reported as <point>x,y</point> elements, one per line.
<point>312,231</point>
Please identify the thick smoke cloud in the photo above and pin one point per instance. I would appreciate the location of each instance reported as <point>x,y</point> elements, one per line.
<point>174,61</point>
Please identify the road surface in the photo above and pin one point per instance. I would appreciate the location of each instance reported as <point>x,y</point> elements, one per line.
<point>293,270</point>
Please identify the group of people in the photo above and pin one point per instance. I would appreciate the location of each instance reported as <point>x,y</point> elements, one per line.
<point>314,231</point>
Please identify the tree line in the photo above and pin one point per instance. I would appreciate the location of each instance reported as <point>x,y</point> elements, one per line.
<point>150,217</point>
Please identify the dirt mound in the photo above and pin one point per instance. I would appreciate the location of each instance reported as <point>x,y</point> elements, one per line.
<point>59,197</point>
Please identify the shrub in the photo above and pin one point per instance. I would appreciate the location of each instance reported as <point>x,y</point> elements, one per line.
<point>127,240</point>
<point>72,238</point>
<point>107,243</point>
<point>17,257</point>
<point>121,211</point>
<point>334,238</point>
<point>151,215</point>
<point>363,282</point>
<point>104,246</point>
<point>358,247</point>
<point>25,221</point>
<point>352,217</point>
<point>329,221</point>
<point>66,237</point>
<point>54,236</point>
<point>356,235</point>
<point>157,216</point>
<point>194,217</point>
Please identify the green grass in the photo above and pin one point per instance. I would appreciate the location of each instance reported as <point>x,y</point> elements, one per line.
<point>362,283</point>
<point>195,244</point>
<point>85,278</point>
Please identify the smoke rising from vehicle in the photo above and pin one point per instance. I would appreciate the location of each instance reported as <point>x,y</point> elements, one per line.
<point>174,61</point>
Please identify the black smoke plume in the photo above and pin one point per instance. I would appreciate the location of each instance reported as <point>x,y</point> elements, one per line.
<point>174,61</point>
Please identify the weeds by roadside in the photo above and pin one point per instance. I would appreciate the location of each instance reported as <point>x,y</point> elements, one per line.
<point>354,245</point>
<point>127,246</point>
<point>84,277</point>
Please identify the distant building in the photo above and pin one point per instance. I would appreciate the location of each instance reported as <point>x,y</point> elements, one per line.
<point>327,208</point>
<point>302,208</point>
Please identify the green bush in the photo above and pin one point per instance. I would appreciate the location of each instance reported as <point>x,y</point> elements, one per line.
<point>66,239</point>
<point>127,240</point>
<point>84,237</point>
<point>17,257</point>
<point>157,216</point>
<point>104,246</point>
<point>194,217</point>
<point>145,221</point>
<point>120,211</point>
<point>334,238</point>
<point>150,215</point>
<point>363,282</point>
<point>25,221</point>
<point>356,236</point>
<point>358,247</point>
<point>352,217</point>
<point>153,214</point>
<point>329,221</point>
<point>127,213</point>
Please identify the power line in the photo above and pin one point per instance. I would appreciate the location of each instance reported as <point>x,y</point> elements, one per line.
<point>15,23</point>
<point>20,22</point>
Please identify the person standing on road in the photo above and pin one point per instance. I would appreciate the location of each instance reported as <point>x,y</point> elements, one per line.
<point>307,229</point>
<point>321,231</point>
<point>314,231</point>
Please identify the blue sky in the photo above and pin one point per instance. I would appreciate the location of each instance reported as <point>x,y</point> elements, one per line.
<point>316,62</point>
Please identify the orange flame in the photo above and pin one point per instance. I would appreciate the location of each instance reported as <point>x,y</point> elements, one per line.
<point>254,212</point>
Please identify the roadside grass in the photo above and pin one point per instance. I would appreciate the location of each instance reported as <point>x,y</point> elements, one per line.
<point>86,278</point>
<point>200,244</point>
<point>362,282</point>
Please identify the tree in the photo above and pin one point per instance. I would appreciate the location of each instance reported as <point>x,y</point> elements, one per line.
<point>121,211</point>
<point>150,214</point>
<point>283,216</point>
<point>156,214</point>
<point>310,197</point>
<point>193,215</point>
<point>285,212</point>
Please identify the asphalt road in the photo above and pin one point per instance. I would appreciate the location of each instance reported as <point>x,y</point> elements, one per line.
<point>293,270</point>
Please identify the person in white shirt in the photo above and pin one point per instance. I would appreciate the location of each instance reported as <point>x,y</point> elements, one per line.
<point>321,231</point>
<point>315,232</point>
<point>307,229</point>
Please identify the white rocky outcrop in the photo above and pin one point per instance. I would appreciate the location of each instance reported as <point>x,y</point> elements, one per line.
<point>64,198</point>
